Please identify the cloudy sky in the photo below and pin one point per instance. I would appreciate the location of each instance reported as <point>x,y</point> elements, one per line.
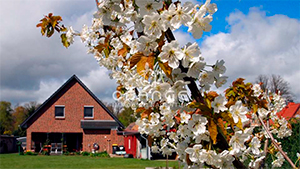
<point>253,37</point>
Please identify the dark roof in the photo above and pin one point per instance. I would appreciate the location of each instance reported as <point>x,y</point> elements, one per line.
<point>74,77</point>
<point>99,124</point>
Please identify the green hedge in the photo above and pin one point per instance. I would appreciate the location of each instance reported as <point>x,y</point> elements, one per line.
<point>290,145</point>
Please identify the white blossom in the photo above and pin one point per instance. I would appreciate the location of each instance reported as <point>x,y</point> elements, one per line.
<point>219,104</point>
<point>238,111</point>
<point>171,54</point>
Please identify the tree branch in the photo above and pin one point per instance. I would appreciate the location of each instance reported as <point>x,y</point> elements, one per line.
<point>196,94</point>
<point>274,143</point>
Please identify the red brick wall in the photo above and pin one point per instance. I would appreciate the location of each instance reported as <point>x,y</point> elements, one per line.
<point>74,98</point>
<point>103,139</point>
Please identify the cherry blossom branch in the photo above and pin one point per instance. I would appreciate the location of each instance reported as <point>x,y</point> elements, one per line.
<point>196,94</point>
<point>262,164</point>
<point>274,143</point>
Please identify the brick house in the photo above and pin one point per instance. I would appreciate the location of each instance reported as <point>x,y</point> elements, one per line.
<point>74,116</point>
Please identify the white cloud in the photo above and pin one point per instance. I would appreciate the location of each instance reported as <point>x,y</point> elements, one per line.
<point>29,60</point>
<point>183,37</point>
<point>100,83</point>
<point>258,44</point>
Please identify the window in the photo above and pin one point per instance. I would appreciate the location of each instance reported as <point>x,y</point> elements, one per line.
<point>88,111</point>
<point>59,111</point>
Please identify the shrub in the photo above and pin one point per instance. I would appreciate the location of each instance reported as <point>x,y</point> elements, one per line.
<point>85,153</point>
<point>100,154</point>
<point>67,153</point>
<point>103,154</point>
<point>30,153</point>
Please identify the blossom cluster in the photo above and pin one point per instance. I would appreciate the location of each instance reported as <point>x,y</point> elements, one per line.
<point>132,38</point>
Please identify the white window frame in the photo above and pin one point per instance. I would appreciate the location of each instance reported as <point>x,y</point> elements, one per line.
<point>92,112</point>
<point>129,144</point>
<point>64,111</point>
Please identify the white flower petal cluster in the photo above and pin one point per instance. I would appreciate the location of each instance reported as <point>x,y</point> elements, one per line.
<point>219,104</point>
<point>238,111</point>
<point>171,54</point>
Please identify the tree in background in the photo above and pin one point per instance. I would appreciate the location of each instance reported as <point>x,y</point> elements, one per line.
<point>31,107</point>
<point>114,107</point>
<point>19,115</point>
<point>10,119</point>
<point>275,84</point>
<point>6,120</point>
<point>126,116</point>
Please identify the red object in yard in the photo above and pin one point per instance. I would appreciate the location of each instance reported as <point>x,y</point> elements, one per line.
<point>130,145</point>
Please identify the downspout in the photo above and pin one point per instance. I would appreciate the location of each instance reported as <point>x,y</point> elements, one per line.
<point>147,147</point>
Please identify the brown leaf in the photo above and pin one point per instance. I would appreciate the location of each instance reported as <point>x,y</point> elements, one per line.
<point>166,68</point>
<point>140,110</point>
<point>201,106</point>
<point>49,24</point>
<point>240,124</point>
<point>123,52</point>
<point>100,47</point>
<point>141,65</point>
<point>227,117</point>
<point>213,130</point>
<point>146,113</point>
<point>134,59</point>
<point>161,42</point>
<point>212,95</point>
<point>222,127</point>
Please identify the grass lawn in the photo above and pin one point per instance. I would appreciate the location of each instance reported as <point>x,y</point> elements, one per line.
<point>27,161</point>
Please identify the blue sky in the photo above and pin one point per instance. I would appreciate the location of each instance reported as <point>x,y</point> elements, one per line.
<point>253,37</point>
<point>290,8</point>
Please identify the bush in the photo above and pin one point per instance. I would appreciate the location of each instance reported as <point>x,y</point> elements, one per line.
<point>85,153</point>
<point>30,153</point>
<point>100,154</point>
<point>103,154</point>
<point>67,153</point>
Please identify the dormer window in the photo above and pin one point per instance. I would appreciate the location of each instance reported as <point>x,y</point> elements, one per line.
<point>59,111</point>
<point>88,111</point>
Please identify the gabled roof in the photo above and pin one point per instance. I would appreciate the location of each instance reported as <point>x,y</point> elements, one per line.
<point>74,77</point>
<point>289,111</point>
<point>132,129</point>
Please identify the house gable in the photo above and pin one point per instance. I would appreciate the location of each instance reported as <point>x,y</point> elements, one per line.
<point>73,96</point>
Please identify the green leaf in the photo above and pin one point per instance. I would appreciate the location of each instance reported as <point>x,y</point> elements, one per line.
<point>64,40</point>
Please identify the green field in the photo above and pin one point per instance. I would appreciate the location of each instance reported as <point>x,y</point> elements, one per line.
<point>27,161</point>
